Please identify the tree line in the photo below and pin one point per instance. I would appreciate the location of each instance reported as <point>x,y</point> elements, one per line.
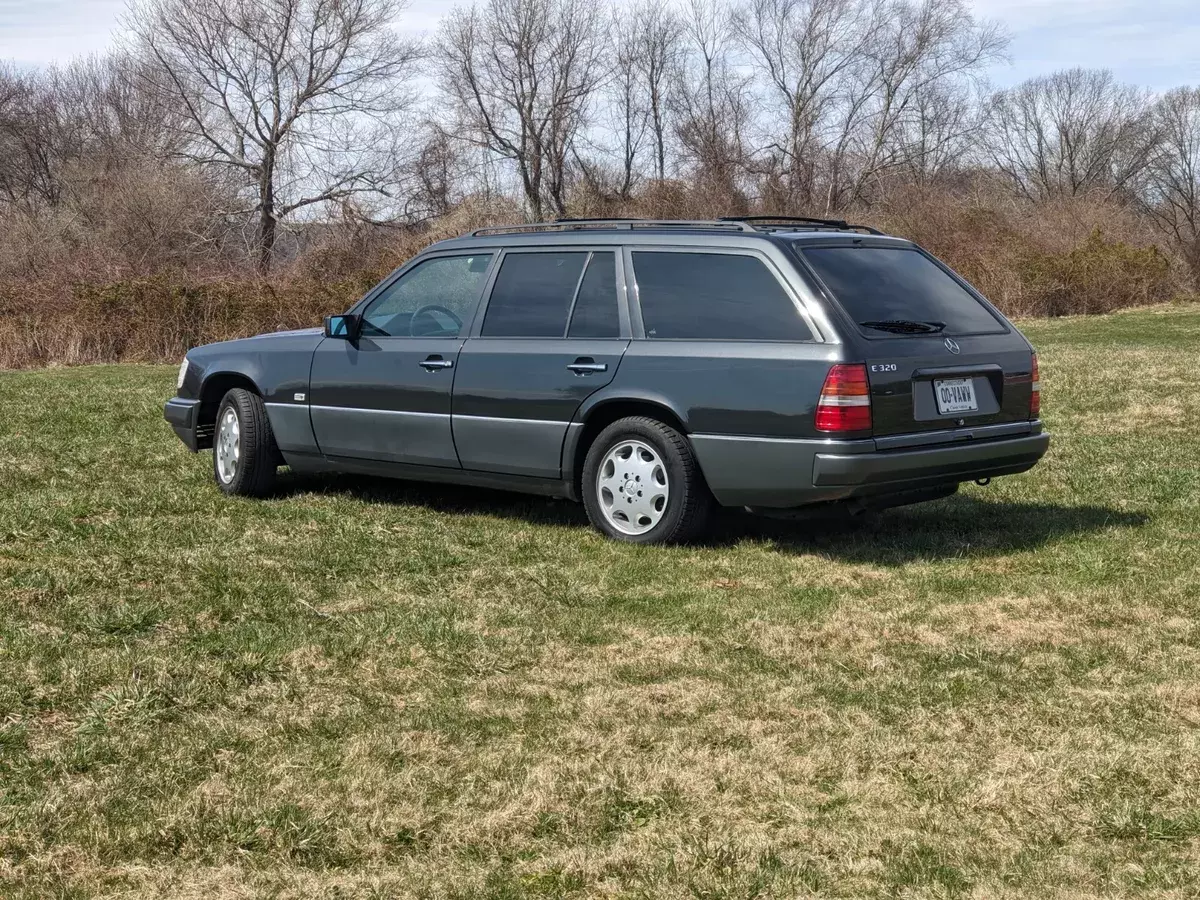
<point>215,127</point>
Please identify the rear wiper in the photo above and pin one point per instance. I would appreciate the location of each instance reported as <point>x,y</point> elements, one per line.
<point>905,326</point>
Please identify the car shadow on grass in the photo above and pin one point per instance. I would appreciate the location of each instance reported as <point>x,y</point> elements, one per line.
<point>959,526</point>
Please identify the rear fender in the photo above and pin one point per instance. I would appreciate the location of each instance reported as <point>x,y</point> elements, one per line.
<point>602,407</point>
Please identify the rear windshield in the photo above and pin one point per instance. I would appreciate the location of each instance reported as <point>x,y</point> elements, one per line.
<point>876,284</point>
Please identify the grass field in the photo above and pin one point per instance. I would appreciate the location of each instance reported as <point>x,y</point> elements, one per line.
<point>370,689</point>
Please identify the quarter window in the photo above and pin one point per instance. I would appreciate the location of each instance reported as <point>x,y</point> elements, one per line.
<point>595,312</point>
<point>714,296</point>
<point>432,299</point>
<point>533,293</point>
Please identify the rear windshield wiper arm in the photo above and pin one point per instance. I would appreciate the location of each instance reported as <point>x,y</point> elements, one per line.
<point>904,326</point>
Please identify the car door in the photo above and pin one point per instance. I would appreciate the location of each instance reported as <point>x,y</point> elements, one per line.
<point>553,332</point>
<point>386,395</point>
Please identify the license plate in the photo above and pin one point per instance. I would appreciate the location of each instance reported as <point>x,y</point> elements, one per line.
<point>955,395</point>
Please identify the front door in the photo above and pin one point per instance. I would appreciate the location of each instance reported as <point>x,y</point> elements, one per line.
<point>386,395</point>
<point>551,336</point>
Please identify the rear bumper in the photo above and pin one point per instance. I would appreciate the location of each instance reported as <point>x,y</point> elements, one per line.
<point>900,468</point>
<point>181,415</point>
<point>785,473</point>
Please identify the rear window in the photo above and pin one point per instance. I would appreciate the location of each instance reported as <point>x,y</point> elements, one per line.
<point>533,293</point>
<point>882,283</point>
<point>714,296</point>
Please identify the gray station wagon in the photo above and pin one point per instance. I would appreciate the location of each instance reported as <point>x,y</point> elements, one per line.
<point>647,368</point>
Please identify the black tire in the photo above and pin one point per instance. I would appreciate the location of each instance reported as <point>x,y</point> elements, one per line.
<point>258,456</point>
<point>688,503</point>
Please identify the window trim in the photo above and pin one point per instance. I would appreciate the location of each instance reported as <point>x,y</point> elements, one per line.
<point>816,336</point>
<point>373,294</point>
<point>623,314</point>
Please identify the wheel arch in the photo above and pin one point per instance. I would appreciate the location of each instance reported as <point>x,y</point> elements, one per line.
<point>598,414</point>
<point>213,389</point>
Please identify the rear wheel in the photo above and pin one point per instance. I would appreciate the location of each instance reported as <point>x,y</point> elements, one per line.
<point>244,452</point>
<point>641,484</point>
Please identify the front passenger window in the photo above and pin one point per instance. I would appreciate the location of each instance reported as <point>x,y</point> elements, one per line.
<point>435,298</point>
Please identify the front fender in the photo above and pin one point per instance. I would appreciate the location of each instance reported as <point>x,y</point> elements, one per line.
<point>276,366</point>
<point>278,373</point>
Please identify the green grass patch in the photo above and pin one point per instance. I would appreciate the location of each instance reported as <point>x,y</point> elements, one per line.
<point>363,688</point>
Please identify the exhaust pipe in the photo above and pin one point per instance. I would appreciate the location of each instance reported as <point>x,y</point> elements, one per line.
<point>983,482</point>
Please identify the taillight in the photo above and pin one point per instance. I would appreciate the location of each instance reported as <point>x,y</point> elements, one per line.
<point>845,403</point>
<point>1035,392</point>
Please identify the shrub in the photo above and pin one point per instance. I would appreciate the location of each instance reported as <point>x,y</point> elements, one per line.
<point>159,318</point>
<point>1097,276</point>
<point>1044,259</point>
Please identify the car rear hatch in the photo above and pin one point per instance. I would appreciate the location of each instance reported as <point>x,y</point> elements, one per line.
<point>938,359</point>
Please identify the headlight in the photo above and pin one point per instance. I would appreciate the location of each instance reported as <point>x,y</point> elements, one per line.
<point>183,367</point>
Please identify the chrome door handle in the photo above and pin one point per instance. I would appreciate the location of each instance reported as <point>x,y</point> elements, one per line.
<point>582,368</point>
<point>432,365</point>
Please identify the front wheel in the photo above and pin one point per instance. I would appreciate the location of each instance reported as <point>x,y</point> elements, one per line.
<point>642,484</point>
<point>244,452</point>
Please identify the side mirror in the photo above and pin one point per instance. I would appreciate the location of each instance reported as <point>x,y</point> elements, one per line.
<point>346,327</point>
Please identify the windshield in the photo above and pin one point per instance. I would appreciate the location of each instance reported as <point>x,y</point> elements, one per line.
<point>890,285</point>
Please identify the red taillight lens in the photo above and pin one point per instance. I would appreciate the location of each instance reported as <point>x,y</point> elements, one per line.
<point>1035,393</point>
<point>845,403</point>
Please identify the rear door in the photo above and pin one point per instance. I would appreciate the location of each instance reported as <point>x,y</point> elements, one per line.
<point>553,333</point>
<point>937,356</point>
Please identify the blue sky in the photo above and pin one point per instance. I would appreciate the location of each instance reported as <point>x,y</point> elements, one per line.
<point>1155,43</point>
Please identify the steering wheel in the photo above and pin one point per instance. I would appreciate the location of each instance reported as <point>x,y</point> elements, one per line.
<point>437,316</point>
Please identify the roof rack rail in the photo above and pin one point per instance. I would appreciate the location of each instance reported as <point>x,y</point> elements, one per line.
<point>583,224</point>
<point>765,223</point>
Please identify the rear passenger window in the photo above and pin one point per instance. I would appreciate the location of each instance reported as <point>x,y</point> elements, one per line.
<point>714,296</point>
<point>595,313</point>
<point>533,294</point>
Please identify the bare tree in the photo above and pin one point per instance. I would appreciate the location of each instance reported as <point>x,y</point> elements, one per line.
<point>58,120</point>
<point>922,53</point>
<point>520,75</point>
<point>111,115</point>
<point>628,114</point>
<point>656,35</point>
<point>856,82</point>
<point>439,174</point>
<point>643,46</point>
<point>710,101</point>
<point>936,138</point>
<point>813,58</point>
<point>1071,132</point>
<point>1174,173</point>
<point>299,96</point>
<point>31,151</point>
